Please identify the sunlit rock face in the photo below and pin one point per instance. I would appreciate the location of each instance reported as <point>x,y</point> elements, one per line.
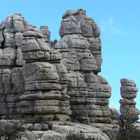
<point>80,46</point>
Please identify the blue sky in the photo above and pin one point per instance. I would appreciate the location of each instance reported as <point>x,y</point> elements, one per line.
<point>119,21</point>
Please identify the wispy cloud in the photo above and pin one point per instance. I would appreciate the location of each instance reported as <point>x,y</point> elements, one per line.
<point>110,26</point>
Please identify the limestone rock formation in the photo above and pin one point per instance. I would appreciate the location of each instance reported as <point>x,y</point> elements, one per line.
<point>128,93</point>
<point>41,82</point>
<point>33,79</point>
<point>80,47</point>
<point>45,83</point>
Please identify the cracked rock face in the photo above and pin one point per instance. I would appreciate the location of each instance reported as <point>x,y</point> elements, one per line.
<point>80,47</point>
<point>128,93</point>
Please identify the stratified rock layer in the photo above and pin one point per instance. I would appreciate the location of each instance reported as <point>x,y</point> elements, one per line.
<point>33,81</point>
<point>45,83</point>
<point>128,93</point>
<point>80,47</point>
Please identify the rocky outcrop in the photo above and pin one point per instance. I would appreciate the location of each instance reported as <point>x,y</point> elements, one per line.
<point>46,83</point>
<point>37,81</point>
<point>46,33</point>
<point>45,80</point>
<point>11,62</point>
<point>32,76</point>
<point>128,93</point>
<point>80,47</point>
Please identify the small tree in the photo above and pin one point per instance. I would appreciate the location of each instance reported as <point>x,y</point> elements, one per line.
<point>127,128</point>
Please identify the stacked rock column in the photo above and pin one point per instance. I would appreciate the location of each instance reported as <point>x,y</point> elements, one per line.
<point>128,92</point>
<point>11,82</point>
<point>45,80</point>
<point>41,82</point>
<point>80,47</point>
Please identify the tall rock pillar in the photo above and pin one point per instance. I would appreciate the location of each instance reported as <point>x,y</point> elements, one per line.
<point>128,93</point>
<point>45,79</point>
<point>80,46</point>
<point>11,62</point>
<point>33,80</point>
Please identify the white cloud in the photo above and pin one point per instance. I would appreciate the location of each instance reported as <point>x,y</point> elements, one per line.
<point>110,26</point>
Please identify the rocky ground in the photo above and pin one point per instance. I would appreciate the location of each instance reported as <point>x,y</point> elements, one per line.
<point>52,130</point>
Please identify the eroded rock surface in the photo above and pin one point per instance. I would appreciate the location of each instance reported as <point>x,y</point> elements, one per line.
<point>44,82</point>
<point>37,81</point>
<point>128,92</point>
<point>59,131</point>
<point>80,47</point>
<point>33,79</point>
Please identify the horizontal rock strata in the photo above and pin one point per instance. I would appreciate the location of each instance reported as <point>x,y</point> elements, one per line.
<point>128,93</point>
<point>33,79</point>
<point>44,83</point>
<point>80,47</point>
<point>53,83</point>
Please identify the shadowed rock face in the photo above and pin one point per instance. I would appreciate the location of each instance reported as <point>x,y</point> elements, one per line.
<point>54,84</point>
